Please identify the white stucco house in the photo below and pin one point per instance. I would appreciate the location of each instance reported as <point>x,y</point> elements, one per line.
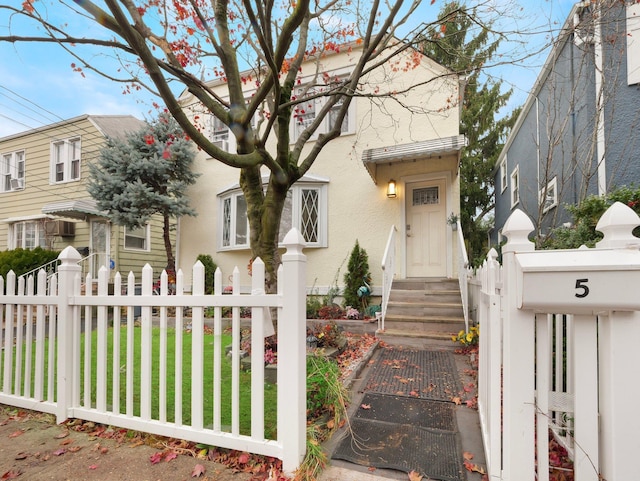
<point>410,141</point>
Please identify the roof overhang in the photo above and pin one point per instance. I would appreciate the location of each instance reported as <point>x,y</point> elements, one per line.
<point>76,209</point>
<point>24,218</point>
<point>413,151</point>
<point>305,179</point>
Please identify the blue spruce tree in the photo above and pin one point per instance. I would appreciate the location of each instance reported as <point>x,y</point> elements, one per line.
<point>145,174</point>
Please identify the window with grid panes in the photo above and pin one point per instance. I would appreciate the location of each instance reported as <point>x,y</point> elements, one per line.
<point>305,208</point>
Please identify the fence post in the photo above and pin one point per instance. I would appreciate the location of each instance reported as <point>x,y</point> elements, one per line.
<point>67,272</point>
<point>292,366</point>
<point>618,334</point>
<point>518,360</point>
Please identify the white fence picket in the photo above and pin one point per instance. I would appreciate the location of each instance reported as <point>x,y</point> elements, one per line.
<point>576,383</point>
<point>76,381</point>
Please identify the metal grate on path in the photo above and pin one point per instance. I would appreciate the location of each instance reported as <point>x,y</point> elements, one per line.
<point>414,373</point>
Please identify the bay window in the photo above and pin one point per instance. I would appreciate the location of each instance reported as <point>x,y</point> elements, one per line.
<point>27,235</point>
<point>305,209</point>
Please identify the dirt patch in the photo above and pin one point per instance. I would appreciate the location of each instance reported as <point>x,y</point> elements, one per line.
<point>32,446</point>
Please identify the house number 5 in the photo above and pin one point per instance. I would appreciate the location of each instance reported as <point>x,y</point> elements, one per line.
<point>582,285</point>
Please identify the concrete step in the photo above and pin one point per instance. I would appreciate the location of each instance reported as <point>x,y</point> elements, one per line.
<point>425,307</point>
<point>443,338</point>
<point>444,295</point>
<point>415,322</point>
<point>430,310</point>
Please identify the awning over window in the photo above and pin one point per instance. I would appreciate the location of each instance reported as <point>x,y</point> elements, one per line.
<point>410,152</point>
<point>25,218</point>
<point>75,209</point>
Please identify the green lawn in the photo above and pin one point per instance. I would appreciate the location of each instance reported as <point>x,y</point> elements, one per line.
<point>207,401</point>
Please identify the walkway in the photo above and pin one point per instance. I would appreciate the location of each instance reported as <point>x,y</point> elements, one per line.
<point>408,408</point>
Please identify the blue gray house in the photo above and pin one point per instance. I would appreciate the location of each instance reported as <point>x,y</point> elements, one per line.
<point>579,131</point>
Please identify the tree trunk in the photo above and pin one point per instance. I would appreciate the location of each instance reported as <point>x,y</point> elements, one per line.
<point>166,236</point>
<point>264,211</point>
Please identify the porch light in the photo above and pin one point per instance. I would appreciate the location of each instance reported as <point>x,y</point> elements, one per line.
<point>391,189</point>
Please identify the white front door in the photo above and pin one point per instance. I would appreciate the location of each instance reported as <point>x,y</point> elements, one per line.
<point>426,229</point>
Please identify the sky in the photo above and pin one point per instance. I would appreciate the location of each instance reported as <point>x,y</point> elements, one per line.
<point>38,85</point>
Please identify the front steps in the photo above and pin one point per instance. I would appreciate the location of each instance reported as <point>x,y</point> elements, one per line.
<point>424,307</point>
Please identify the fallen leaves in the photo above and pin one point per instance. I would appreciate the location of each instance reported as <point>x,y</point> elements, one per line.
<point>11,474</point>
<point>471,467</point>
<point>365,406</point>
<point>198,470</point>
<point>415,476</point>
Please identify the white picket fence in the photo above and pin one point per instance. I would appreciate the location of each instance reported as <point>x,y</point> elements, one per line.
<point>44,368</point>
<point>559,333</point>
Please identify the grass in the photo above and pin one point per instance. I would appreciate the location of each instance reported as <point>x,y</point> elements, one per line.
<point>170,381</point>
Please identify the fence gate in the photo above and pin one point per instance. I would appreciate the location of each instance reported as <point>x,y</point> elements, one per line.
<point>558,330</point>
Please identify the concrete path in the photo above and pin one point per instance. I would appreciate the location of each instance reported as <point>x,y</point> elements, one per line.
<point>467,419</point>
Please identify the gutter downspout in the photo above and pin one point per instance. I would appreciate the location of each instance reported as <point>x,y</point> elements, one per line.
<point>538,145</point>
<point>599,83</point>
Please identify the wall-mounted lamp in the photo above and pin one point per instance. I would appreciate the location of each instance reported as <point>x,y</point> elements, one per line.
<point>391,189</point>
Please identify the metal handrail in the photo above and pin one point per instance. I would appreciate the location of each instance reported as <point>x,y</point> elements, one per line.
<point>388,274</point>
<point>50,268</point>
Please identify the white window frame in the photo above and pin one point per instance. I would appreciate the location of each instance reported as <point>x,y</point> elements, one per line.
<point>19,239</point>
<point>514,185</point>
<point>301,118</point>
<point>220,133</point>
<point>12,171</point>
<point>503,175</point>
<point>297,213</point>
<point>633,43</point>
<point>548,197</point>
<point>146,239</point>
<point>228,221</point>
<point>66,155</point>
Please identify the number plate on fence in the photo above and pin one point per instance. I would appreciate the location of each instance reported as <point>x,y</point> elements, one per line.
<point>579,281</point>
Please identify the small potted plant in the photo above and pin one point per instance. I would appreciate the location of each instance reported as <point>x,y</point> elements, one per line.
<point>452,220</point>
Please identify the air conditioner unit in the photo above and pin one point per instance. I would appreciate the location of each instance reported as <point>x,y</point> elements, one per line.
<point>17,184</point>
<point>60,228</point>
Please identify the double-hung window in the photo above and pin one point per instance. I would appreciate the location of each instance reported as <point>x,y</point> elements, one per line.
<point>503,175</point>
<point>12,171</point>
<point>548,196</point>
<point>306,111</point>
<point>305,209</point>
<point>515,187</point>
<point>27,235</point>
<point>65,160</point>
<point>219,133</point>
<point>137,239</point>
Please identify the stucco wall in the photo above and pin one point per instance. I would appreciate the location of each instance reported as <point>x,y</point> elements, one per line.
<point>358,208</point>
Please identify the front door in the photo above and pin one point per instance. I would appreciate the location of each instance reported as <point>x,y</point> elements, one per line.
<point>426,229</point>
<point>99,246</point>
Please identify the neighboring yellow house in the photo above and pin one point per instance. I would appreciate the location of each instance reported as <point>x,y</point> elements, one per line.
<point>44,201</point>
<point>413,140</point>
